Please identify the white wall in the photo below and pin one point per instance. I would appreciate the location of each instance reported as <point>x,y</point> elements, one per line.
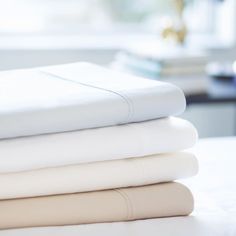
<point>13,59</point>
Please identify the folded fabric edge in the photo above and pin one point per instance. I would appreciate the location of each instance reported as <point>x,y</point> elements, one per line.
<point>124,204</point>
<point>99,175</point>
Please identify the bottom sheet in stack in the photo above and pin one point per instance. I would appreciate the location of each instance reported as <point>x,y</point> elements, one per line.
<point>159,200</point>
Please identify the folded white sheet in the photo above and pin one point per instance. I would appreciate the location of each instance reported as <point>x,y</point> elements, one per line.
<point>109,143</point>
<point>98,175</point>
<point>79,96</point>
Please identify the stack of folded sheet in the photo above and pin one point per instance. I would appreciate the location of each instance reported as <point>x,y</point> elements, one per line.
<point>82,144</point>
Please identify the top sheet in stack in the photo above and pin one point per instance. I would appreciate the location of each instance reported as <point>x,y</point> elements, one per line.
<point>79,96</point>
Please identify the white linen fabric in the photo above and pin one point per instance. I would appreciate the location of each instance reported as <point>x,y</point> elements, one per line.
<point>108,143</point>
<point>98,175</point>
<point>80,96</point>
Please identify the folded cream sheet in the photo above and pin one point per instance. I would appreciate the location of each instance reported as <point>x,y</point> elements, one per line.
<point>98,175</point>
<point>79,96</point>
<point>108,143</point>
<point>160,200</point>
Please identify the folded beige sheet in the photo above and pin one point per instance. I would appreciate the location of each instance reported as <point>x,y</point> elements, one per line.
<point>160,200</point>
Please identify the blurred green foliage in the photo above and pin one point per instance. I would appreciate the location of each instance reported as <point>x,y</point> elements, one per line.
<point>138,10</point>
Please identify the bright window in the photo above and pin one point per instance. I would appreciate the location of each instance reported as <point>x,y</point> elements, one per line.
<point>76,16</point>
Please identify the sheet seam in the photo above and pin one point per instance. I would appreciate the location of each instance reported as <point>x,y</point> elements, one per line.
<point>128,101</point>
<point>127,203</point>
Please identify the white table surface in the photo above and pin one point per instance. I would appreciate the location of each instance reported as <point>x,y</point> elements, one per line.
<point>214,190</point>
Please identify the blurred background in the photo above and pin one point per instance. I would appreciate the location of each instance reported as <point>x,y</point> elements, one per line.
<point>191,43</point>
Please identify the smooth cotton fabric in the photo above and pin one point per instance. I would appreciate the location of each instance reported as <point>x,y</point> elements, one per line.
<point>109,143</point>
<point>80,96</point>
<point>161,200</point>
<point>98,175</point>
<point>214,208</point>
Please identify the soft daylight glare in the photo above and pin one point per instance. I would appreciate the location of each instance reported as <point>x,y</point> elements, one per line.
<point>234,67</point>
<point>73,16</point>
<point>17,16</point>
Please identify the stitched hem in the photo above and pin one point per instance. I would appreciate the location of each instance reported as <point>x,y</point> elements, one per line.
<point>127,203</point>
<point>129,206</point>
<point>123,96</point>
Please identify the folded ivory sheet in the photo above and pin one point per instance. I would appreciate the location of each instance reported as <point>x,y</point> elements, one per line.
<point>80,96</point>
<point>98,175</point>
<point>108,143</point>
<point>151,201</point>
